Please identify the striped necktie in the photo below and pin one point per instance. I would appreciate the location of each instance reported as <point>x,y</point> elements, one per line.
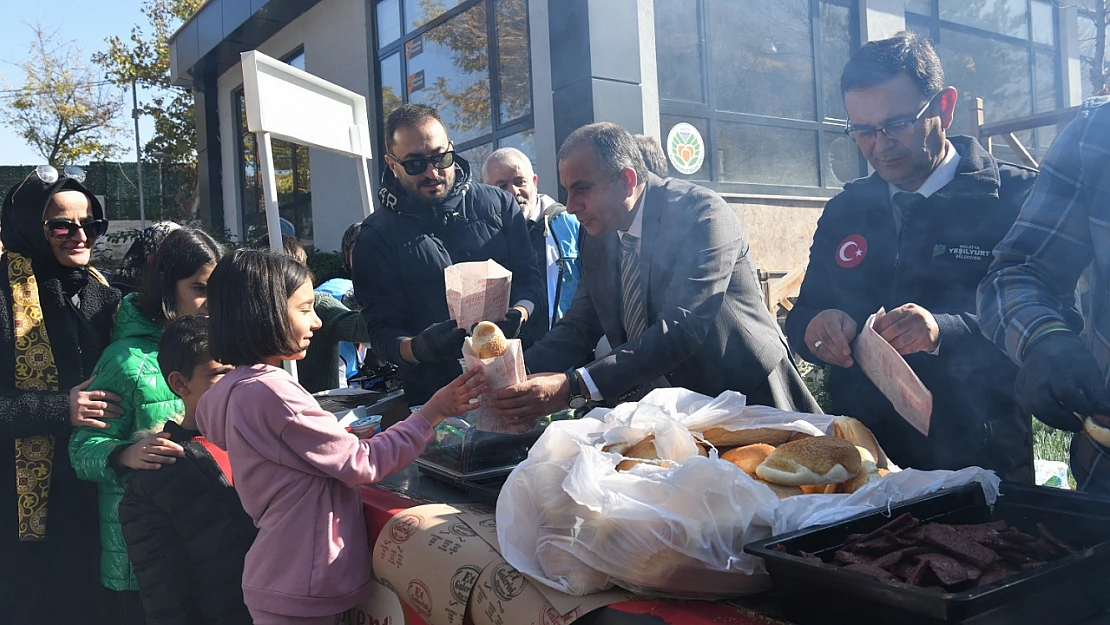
<point>632,294</point>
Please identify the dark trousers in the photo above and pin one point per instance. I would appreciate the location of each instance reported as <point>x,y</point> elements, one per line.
<point>1090,464</point>
<point>125,607</point>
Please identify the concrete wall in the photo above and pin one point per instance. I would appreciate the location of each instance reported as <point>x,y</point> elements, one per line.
<point>333,34</point>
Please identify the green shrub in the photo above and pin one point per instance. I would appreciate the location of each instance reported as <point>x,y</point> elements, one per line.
<point>324,264</point>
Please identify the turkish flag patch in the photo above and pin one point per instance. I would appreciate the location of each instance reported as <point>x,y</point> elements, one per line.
<point>851,251</point>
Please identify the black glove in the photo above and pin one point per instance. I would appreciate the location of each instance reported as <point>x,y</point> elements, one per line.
<point>514,321</point>
<point>439,342</point>
<point>1060,379</point>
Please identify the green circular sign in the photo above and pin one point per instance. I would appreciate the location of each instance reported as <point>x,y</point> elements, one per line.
<point>685,148</point>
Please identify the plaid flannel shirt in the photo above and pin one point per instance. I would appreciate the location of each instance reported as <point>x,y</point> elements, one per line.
<point>1063,228</point>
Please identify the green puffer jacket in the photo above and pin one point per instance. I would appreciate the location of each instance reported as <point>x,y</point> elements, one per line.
<point>128,368</point>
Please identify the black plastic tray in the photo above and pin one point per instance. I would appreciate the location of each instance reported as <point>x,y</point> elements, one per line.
<point>1063,591</point>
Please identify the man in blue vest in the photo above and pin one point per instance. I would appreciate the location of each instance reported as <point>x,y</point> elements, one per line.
<point>554,234</point>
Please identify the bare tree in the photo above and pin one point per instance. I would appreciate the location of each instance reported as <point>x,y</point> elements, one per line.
<point>1094,41</point>
<point>62,109</point>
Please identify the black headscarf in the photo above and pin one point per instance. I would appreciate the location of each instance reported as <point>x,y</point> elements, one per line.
<point>22,231</point>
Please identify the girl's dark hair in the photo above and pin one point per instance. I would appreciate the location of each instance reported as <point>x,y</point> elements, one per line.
<point>182,253</point>
<point>248,306</point>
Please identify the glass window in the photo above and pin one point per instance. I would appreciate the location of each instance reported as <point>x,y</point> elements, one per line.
<point>523,141</point>
<point>766,154</point>
<point>1087,37</point>
<point>836,49</point>
<point>989,69</point>
<point>391,83</point>
<point>679,50</point>
<point>515,65</point>
<point>297,61</point>
<point>476,156</point>
<point>763,66</point>
<point>842,162</point>
<point>1044,23</point>
<point>1006,17</point>
<point>420,12</point>
<point>666,122</point>
<point>448,68</point>
<point>389,21</point>
<point>922,7</point>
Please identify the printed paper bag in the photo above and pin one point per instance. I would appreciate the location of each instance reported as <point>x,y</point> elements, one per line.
<point>888,371</point>
<point>500,372</point>
<point>477,292</point>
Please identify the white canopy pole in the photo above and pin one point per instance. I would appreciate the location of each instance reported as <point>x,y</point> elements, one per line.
<point>273,218</point>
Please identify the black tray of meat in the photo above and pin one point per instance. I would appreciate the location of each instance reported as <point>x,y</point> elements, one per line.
<point>1041,555</point>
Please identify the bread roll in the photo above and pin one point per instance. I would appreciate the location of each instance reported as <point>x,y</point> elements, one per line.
<point>558,564</point>
<point>782,491</point>
<point>868,473</point>
<point>720,437</point>
<point>645,451</point>
<point>488,341</point>
<point>856,433</point>
<point>748,457</point>
<point>617,448</point>
<point>1097,431</point>
<point>813,489</point>
<point>817,460</point>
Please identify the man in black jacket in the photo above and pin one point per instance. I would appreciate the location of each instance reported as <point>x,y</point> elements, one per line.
<point>915,238</point>
<point>431,215</point>
<point>187,534</point>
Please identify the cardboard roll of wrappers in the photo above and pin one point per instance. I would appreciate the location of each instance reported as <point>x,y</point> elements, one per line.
<point>789,463</point>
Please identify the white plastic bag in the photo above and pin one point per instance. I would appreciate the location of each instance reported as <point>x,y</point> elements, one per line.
<point>569,520</point>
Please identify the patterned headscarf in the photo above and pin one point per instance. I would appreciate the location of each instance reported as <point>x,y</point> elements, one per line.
<point>130,272</point>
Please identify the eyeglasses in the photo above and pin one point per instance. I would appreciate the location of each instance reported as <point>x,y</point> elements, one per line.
<point>49,175</point>
<point>417,166</point>
<point>893,129</point>
<point>66,229</point>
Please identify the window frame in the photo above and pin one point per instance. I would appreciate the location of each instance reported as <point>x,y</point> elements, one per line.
<point>935,25</point>
<point>240,163</point>
<point>498,130</point>
<point>707,110</point>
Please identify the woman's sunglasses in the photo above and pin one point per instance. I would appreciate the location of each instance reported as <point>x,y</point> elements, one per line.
<point>66,229</point>
<point>417,166</point>
<point>50,175</point>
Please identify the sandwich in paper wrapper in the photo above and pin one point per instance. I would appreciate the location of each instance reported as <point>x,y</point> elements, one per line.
<point>502,363</point>
<point>660,496</point>
<point>477,292</point>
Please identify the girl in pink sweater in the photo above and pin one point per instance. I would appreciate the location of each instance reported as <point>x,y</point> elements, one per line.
<point>296,470</point>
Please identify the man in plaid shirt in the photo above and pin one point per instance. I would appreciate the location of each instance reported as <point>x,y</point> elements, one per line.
<point>1027,303</point>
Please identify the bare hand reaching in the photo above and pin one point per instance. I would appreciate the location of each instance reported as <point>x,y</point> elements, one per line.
<point>151,453</point>
<point>86,407</point>
<point>909,329</point>
<point>455,398</point>
<point>829,336</point>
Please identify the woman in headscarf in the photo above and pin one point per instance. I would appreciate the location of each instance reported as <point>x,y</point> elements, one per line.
<point>55,320</point>
<point>130,273</point>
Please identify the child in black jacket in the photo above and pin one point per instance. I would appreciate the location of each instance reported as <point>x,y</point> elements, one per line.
<point>186,532</point>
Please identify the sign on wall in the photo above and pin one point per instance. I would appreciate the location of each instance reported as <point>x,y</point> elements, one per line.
<point>685,148</point>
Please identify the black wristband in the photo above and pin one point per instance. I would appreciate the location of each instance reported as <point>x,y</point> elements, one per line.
<point>572,379</point>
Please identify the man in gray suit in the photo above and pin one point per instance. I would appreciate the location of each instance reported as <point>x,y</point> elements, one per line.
<point>667,279</point>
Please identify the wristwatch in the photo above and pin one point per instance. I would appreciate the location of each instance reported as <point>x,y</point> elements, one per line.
<point>577,399</point>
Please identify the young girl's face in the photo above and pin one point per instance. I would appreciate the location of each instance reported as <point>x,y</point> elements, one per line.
<point>192,293</point>
<point>302,318</point>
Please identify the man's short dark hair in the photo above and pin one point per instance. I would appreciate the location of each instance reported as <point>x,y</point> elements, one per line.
<point>614,146</point>
<point>879,61</point>
<point>248,306</point>
<point>408,116</point>
<point>653,155</point>
<point>184,345</point>
<point>183,252</point>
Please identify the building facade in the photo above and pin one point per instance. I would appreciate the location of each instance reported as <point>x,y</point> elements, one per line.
<point>743,94</point>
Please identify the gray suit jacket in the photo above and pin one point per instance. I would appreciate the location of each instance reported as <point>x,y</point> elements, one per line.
<point>709,330</point>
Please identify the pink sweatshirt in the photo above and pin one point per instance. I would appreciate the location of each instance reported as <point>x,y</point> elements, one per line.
<point>296,472</point>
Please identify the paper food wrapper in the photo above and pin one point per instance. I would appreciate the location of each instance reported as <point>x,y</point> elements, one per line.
<point>432,561</point>
<point>888,371</point>
<point>503,595</point>
<point>384,608</point>
<point>500,372</point>
<point>477,292</point>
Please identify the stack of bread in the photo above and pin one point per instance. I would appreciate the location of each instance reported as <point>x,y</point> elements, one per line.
<point>789,463</point>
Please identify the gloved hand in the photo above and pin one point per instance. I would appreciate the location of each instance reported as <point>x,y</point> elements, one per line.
<point>439,342</point>
<point>514,321</point>
<point>1060,379</point>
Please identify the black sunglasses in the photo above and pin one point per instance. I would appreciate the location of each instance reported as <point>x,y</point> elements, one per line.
<point>65,229</point>
<point>417,166</point>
